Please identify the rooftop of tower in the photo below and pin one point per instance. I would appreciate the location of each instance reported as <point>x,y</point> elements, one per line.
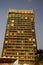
<point>20,11</point>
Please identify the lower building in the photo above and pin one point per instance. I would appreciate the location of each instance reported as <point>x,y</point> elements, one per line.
<point>7,61</point>
<point>12,61</point>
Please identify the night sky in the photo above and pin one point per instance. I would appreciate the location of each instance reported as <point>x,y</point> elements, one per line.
<point>36,5</point>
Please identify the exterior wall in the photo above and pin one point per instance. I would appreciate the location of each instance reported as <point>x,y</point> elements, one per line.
<point>29,63</point>
<point>6,63</point>
<point>20,37</point>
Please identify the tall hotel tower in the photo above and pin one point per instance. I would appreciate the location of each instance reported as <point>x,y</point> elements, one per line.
<point>20,37</point>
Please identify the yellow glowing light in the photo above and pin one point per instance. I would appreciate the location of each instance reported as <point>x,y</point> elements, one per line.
<point>33,39</point>
<point>18,31</point>
<point>14,33</point>
<point>4,50</point>
<point>3,53</point>
<point>13,57</point>
<point>12,21</point>
<point>25,17</point>
<point>34,45</point>
<point>6,41</point>
<point>7,34</point>
<point>24,64</point>
<point>32,30</point>
<point>8,57</point>
<point>17,53</point>
<point>4,56</point>
<point>12,24</point>
<point>22,31</point>
<point>8,25</point>
<point>30,39</point>
<point>17,57</point>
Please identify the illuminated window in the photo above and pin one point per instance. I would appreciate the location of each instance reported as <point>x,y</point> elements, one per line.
<point>8,25</point>
<point>25,64</point>
<point>22,32</point>
<point>12,24</point>
<point>13,57</point>
<point>8,57</point>
<point>25,17</point>
<point>4,50</point>
<point>30,39</point>
<point>34,45</point>
<point>31,19</point>
<point>6,41</point>
<point>32,30</point>
<point>4,56</point>
<point>33,40</point>
<point>17,57</point>
<point>12,21</point>
<point>7,34</point>
<point>17,53</point>
<point>14,33</point>
<point>3,53</point>
<point>18,31</point>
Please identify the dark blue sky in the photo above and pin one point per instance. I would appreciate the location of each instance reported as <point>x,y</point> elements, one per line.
<point>36,5</point>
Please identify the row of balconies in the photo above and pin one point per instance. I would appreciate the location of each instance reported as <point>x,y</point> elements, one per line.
<point>21,58</point>
<point>19,50</point>
<point>19,22</point>
<point>18,28</point>
<point>19,35</point>
<point>29,52</point>
<point>15,41</point>
<point>25,18</point>
<point>20,46</point>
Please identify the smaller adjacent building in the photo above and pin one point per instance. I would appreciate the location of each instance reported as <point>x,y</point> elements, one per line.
<point>7,61</point>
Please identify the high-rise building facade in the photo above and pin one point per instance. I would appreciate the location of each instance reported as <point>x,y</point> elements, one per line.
<point>20,37</point>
